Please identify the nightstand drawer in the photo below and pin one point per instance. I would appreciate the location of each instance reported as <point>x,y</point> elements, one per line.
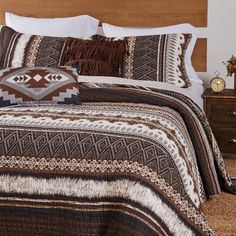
<point>226,139</point>
<point>223,113</point>
<point>220,109</point>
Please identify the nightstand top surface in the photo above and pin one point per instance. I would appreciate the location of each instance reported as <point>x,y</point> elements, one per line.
<point>227,93</point>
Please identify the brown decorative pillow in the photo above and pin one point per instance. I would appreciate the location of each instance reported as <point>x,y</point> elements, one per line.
<point>39,85</point>
<point>22,50</point>
<point>96,56</point>
<point>157,58</point>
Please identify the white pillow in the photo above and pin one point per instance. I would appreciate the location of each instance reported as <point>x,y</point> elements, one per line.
<point>117,31</point>
<point>77,26</point>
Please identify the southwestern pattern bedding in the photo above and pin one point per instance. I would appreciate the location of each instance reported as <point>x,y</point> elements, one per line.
<point>126,162</point>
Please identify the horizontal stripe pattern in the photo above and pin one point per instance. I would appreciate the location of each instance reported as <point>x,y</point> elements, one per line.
<point>158,130</point>
<point>115,151</point>
<point>97,189</point>
<point>70,222</point>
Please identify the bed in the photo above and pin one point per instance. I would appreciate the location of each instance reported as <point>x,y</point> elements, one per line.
<point>113,157</point>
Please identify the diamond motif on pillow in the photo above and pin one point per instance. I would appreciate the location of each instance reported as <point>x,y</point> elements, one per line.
<point>39,84</point>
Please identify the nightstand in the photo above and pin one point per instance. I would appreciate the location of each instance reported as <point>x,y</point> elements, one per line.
<point>220,109</point>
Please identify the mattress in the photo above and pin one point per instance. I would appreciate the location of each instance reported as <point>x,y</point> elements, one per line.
<point>193,92</point>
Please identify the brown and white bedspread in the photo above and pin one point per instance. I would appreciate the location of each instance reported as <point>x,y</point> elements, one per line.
<point>124,163</point>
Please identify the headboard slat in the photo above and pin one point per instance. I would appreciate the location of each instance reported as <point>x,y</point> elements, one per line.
<point>124,13</point>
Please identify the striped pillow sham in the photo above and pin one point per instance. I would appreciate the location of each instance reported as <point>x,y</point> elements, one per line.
<point>157,58</point>
<point>23,50</point>
<point>95,57</point>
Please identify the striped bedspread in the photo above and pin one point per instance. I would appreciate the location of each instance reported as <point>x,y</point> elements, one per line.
<point>126,162</point>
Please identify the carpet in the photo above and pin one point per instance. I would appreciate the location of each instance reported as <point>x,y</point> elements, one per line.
<point>220,211</point>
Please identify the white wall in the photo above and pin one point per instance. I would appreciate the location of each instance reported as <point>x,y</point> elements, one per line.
<point>221,34</point>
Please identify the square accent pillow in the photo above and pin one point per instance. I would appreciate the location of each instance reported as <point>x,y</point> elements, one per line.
<point>96,56</point>
<point>157,58</point>
<point>39,85</point>
<point>23,50</point>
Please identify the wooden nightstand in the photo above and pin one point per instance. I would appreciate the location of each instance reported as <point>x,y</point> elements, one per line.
<point>220,109</point>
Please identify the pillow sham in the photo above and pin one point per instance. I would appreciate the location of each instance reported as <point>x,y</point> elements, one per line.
<point>100,57</point>
<point>39,85</point>
<point>77,26</point>
<point>118,31</point>
<point>23,50</point>
<point>158,58</point>
<point>96,56</point>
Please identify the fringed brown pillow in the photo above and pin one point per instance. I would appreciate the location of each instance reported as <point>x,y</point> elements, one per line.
<point>96,56</point>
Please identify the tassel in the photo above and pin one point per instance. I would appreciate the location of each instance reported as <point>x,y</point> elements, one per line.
<point>94,67</point>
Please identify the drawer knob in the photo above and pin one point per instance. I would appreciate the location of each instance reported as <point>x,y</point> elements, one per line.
<point>232,113</point>
<point>232,140</point>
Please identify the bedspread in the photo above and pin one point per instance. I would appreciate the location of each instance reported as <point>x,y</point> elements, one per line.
<point>127,162</point>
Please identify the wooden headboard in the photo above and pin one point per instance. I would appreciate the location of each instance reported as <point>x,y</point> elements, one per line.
<point>125,13</point>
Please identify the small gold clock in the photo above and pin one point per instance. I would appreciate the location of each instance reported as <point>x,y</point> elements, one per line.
<point>217,84</point>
